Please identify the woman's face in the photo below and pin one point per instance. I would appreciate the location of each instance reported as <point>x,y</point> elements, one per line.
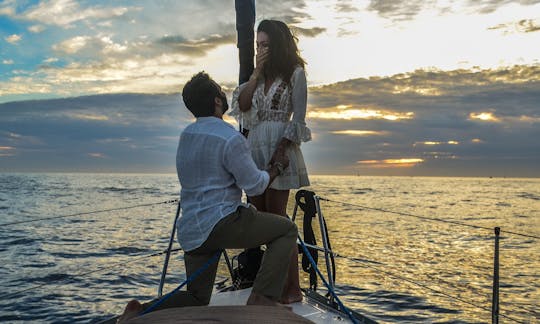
<point>263,41</point>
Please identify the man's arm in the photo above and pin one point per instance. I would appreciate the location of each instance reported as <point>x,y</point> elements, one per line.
<point>248,177</point>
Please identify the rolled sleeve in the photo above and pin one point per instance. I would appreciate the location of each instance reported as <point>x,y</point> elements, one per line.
<point>240,164</point>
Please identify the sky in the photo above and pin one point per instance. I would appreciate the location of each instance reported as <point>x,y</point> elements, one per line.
<point>398,88</point>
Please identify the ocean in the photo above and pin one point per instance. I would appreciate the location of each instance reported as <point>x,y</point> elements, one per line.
<point>78,247</point>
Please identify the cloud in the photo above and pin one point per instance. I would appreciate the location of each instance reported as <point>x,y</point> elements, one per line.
<point>470,117</point>
<point>97,155</point>
<point>89,117</point>
<point>356,132</point>
<point>196,48</point>
<point>483,116</point>
<point>345,7</point>
<point>124,132</point>
<point>36,29</point>
<point>308,32</point>
<point>522,26</point>
<point>489,6</point>
<point>50,60</point>
<point>348,112</point>
<point>391,163</point>
<point>7,8</point>
<point>7,62</point>
<point>398,10</point>
<point>288,11</point>
<point>7,151</point>
<point>140,131</point>
<point>528,25</point>
<point>66,12</point>
<point>13,39</point>
<point>72,45</point>
<point>94,45</point>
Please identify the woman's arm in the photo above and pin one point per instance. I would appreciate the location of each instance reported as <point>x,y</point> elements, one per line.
<point>246,96</point>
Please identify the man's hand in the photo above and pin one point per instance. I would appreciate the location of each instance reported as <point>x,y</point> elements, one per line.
<point>280,163</point>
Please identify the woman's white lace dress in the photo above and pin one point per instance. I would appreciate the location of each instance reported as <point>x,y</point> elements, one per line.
<point>280,113</point>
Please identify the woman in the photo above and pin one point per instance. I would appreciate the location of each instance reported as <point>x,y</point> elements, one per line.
<point>272,106</point>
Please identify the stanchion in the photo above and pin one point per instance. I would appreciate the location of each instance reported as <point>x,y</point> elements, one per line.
<point>495,300</point>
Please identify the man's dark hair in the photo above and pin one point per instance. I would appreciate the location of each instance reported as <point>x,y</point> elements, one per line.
<point>199,94</point>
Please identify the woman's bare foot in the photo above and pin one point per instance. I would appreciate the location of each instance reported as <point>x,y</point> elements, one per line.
<point>133,308</point>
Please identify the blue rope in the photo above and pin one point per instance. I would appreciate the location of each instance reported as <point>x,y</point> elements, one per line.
<point>188,280</point>
<point>345,309</point>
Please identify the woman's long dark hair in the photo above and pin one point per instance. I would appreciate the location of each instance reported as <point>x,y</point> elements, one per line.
<point>284,55</point>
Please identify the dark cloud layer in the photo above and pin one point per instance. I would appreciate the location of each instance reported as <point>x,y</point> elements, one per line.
<point>196,48</point>
<point>443,103</point>
<point>407,10</point>
<point>124,133</point>
<point>462,122</point>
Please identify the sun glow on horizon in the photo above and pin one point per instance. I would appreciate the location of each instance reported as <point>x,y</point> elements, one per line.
<point>355,132</point>
<point>484,116</point>
<point>436,143</point>
<point>343,112</point>
<point>391,163</point>
<point>97,155</point>
<point>89,117</point>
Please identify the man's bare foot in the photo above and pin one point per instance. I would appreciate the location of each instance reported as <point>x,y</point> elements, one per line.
<point>291,296</point>
<point>257,299</point>
<point>133,308</point>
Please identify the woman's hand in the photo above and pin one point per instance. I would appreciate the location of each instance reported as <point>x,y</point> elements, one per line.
<point>260,60</point>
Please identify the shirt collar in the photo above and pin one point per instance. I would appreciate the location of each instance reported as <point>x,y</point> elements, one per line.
<point>207,119</point>
<point>212,119</point>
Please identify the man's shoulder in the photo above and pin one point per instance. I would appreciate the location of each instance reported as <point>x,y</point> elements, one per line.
<point>214,127</point>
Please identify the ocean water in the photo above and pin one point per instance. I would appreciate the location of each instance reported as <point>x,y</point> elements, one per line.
<point>412,249</point>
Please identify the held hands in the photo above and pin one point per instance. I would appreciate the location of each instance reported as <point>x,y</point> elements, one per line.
<point>280,160</point>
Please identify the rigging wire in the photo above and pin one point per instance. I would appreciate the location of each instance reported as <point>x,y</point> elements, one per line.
<point>472,290</point>
<point>436,291</point>
<point>88,213</point>
<point>364,260</point>
<point>354,259</point>
<point>82,274</point>
<point>428,218</point>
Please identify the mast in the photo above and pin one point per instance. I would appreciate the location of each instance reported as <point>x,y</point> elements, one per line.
<point>245,23</point>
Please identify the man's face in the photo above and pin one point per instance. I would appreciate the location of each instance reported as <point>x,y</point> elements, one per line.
<point>221,95</point>
<point>223,98</point>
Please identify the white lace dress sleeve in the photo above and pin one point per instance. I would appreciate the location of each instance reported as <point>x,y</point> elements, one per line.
<point>296,130</point>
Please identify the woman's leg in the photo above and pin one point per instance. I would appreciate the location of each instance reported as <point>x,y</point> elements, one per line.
<point>276,203</point>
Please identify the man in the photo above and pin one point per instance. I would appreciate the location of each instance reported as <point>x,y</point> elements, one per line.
<point>214,164</point>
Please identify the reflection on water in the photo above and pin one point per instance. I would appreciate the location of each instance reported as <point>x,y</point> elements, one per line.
<point>395,267</point>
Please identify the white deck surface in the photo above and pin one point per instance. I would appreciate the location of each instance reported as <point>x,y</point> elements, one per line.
<point>307,308</point>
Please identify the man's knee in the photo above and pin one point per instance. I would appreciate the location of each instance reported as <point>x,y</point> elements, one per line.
<point>292,231</point>
<point>200,298</point>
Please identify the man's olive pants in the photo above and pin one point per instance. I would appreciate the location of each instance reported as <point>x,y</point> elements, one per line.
<point>245,228</point>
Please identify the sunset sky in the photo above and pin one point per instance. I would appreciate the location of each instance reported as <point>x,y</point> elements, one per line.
<point>422,87</point>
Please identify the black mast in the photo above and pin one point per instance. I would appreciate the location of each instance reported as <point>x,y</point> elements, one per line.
<point>245,23</point>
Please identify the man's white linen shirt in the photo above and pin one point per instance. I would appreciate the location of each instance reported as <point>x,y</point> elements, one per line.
<point>214,164</point>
